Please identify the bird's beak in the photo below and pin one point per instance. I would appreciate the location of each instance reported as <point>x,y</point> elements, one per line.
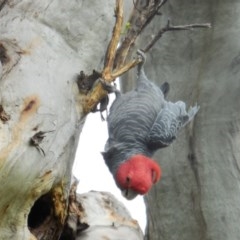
<point>129,194</point>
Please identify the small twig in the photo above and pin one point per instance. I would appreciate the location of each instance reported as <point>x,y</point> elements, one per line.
<point>135,6</point>
<point>140,17</point>
<point>169,27</point>
<point>190,26</point>
<point>125,68</point>
<point>156,4</point>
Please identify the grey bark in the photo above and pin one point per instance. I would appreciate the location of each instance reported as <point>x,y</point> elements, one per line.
<point>45,43</point>
<point>43,46</point>
<point>198,195</point>
<point>101,216</point>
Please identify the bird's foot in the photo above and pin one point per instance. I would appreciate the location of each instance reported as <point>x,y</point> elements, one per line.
<point>141,56</point>
<point>102,107</point>
<point>104,102</point>
<point>110,88</point>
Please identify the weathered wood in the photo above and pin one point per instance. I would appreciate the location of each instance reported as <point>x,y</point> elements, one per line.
<point>99,215</point>
<point>43,46</point>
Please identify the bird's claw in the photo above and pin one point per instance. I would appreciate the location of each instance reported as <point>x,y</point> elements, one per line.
<point>141,56</point>
<point>109,87</point>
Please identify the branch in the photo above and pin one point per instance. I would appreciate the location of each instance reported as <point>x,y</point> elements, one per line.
<point>114,60</point>
<point>126,68</point>
<point>114,64</point>
<point>98,92</point>
<point>140,17</point>
<point>169,27</point>
<point>112,47</point>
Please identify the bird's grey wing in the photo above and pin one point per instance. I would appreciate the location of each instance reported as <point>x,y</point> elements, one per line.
<point>169,121</point>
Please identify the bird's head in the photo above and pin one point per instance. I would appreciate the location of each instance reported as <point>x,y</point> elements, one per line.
<point>137,175</point>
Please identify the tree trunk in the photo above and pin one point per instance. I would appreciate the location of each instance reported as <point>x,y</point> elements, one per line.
<point>198,195</point>
<point>43,46</point>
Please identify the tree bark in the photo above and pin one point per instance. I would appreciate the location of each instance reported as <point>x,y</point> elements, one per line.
<point>43,46</point>
<point>99,215</point>
<point>112,220</point>
<point>198,195</point>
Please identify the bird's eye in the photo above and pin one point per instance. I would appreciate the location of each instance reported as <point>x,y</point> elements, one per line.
<point>127,179</point>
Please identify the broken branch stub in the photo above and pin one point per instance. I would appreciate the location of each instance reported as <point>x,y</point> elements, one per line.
<point>111,220</point>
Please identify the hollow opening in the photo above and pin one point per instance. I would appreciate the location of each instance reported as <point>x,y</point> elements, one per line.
<point>40,211</point>
<point>42,219</point>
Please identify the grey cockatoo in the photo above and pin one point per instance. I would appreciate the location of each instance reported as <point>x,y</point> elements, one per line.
<point>140,122</point>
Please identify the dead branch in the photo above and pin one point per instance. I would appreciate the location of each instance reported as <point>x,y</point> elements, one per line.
<point>112,47</point>
<point>114,64</point>
<point>114,60</point>
<point>141,16</point>
<point>170,27</point>
<point>98,92</point>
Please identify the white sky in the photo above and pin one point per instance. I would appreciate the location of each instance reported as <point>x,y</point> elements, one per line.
<point>93,174</point>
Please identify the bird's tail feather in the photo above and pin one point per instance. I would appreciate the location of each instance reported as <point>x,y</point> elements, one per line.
<point>184,115</point>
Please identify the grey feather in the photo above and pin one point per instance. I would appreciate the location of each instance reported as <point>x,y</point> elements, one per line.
<point>169,121</point>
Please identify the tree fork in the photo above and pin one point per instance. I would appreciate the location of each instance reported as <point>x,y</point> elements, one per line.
<point>114,64</point>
